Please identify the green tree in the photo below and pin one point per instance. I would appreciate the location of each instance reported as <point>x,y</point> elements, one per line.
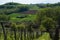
<point>50,16</point>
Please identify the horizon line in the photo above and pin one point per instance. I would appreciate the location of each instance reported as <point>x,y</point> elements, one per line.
<point>30,3</point>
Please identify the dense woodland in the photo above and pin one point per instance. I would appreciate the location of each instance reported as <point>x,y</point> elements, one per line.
<point>30,21</point>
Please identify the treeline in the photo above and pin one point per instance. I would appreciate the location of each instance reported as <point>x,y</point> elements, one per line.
<point>16,7</point>
<point>40,5</point>
<point>48,5</point>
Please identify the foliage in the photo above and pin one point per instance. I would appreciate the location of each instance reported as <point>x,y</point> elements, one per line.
<point>46,19</point>
<point>45,36</point>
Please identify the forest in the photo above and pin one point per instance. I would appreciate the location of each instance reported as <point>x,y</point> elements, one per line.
<point>29,21</point>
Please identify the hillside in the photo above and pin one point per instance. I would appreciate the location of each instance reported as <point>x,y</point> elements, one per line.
<point>29,21</point>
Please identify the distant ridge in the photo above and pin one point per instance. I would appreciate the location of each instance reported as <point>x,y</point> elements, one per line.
<point>12,3</point>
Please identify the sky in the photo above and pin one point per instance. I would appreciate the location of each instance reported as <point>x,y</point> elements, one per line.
<point>29,1</point>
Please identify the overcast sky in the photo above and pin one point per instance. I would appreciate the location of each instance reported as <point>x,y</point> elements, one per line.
<point>29,1</point>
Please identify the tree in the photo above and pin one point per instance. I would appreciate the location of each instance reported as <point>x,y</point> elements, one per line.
<point>13,26</point>
<point>4,17</point>
<point>51,17</point>
<point>23,8</point>
<point>4,32</point>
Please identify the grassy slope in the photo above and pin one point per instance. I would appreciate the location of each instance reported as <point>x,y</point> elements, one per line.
<point>13,17</point>
<point>45,36</point>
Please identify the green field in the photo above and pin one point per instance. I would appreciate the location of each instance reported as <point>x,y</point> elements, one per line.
<point>29,17</point>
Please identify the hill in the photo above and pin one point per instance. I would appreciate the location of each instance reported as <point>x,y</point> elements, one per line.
<point>12,7</point>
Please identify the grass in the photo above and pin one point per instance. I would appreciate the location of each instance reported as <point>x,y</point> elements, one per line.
<point>13,17</point>
<point>45,36</point>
